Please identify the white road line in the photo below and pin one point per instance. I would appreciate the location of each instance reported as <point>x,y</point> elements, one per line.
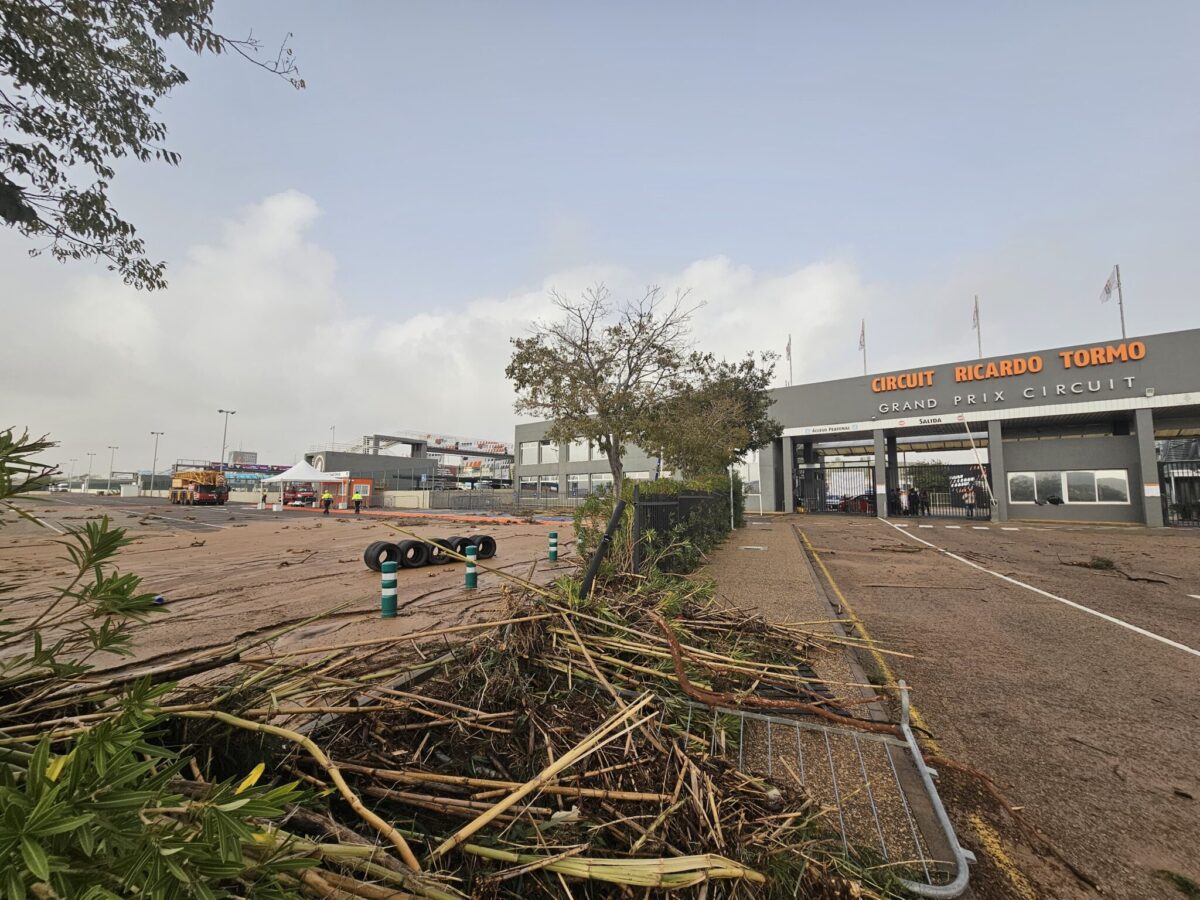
<point>1079,606</point>
<point>900,526</point>
<point>924,526</point>
<point>184,521</point>
<point>952,526</point>
<point>1007,528</point>
<point>1194,596</point>
<point>980,527</point>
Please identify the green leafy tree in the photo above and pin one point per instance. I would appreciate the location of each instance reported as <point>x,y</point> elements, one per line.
<point>625,373</point>
<point>714,420</point>
<point>79,84</point>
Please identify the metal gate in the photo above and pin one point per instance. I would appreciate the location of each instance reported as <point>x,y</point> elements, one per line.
<point>848,489</point>
<point>1180,488</point>
<point>940,489</point>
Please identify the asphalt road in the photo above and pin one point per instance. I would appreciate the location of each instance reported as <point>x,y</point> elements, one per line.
<point>1077,689</point>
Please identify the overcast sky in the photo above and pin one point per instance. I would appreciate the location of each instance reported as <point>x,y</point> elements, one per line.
<point>358,254</point>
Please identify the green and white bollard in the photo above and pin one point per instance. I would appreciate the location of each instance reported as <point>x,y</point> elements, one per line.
<point>387,596</point>
<point>472,578</point>
<point>553,546</point>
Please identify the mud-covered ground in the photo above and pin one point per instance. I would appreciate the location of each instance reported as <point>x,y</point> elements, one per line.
<point>236,573</point>
<point>1091,725</point>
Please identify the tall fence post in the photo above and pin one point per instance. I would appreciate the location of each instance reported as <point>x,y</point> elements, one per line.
<point>387,590</point>
<point>593,567</point>
<point>637,531</point>
<point>472,578</point>
<point>553,550</point>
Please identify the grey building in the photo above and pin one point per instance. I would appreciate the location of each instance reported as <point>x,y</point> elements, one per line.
<point>394,473</point>
<point>1064,434</point>
<point>568,470</point>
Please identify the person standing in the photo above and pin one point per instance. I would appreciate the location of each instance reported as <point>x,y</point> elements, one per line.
<point>904,501</point>
<point>327,501</point>
<point>969,500</point>
<point>914,501</point>
<point>357,498</point>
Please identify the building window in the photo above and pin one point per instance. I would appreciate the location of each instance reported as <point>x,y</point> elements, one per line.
<point>578,450</point>
<point>577,485</point>
<point>549,452</point>
<point>1081,487</point>
<point>529,453</point>
<point>1020,488</point>
<point>1113,486</point>
<point>1078,487</point>
<point>548,485</point>
<point>602,481</point>
<point>529,484</point>
<point>1049,486</point>
<point>638,476</point>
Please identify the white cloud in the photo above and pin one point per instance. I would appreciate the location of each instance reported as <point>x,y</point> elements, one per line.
<point>254,321</point>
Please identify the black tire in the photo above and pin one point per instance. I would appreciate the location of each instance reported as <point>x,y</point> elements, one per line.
<point>413,554</point>
<point>460,544</point>
<point>371,556</point>
<point>485,545</point>
<point>437,554</point>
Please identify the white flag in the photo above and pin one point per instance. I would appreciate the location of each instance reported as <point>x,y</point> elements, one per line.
<point>1110,286</point>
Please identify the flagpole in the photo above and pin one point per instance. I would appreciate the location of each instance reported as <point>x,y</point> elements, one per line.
<point>1120,301</point>
<point>789,360</point>
<point>863,342</point>
<point>978,328</point>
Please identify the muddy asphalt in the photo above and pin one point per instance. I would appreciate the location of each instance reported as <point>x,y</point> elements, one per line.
<point>236,574</point>
<point>1092,728</point>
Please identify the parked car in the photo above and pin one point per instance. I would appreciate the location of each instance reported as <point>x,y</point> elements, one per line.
<point>833,502</point>
<point>59,487</point>
<point>862,503</point>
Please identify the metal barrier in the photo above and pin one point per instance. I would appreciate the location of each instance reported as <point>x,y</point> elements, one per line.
<point>664,513</point>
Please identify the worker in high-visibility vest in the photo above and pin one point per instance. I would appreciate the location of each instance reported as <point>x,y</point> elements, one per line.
<point>327,501</point>
<point>357,498</point>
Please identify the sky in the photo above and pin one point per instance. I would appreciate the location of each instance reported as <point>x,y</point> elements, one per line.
<point>355,256</point>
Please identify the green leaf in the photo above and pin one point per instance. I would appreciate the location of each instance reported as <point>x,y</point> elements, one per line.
<point>35,858</point>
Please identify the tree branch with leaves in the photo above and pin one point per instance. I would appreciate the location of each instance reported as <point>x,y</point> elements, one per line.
<point>79,85</point>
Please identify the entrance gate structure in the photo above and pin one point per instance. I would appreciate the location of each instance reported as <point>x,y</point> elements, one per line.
<point>941,490</point>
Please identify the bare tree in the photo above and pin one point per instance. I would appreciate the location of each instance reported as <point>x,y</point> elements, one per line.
<point>600,370</point>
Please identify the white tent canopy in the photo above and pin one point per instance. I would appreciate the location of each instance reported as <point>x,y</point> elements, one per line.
<point>303,472</point>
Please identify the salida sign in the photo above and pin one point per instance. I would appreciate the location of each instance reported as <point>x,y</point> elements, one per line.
<point>992,373</point>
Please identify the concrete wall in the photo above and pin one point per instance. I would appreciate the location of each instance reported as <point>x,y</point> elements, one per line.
<point>406,499</point>
<point>1063,454</point>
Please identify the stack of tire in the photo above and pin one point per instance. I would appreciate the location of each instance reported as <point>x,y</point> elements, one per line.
<point>414,554</point>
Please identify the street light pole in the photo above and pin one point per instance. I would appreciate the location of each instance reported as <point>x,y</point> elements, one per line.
<point>71,473</point>
<point>225,432</point>
<point>332,437</point>
<point>90,456</point>
<point>111,457</point>
<point>154,465</point>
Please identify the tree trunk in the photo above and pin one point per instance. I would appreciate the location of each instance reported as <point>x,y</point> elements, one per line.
<point>616,465</point>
